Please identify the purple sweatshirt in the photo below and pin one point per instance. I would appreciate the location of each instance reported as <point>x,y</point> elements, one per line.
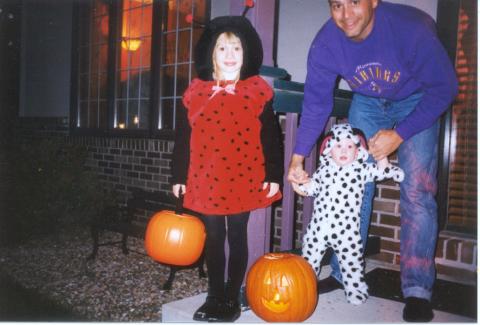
<point>401,56</point>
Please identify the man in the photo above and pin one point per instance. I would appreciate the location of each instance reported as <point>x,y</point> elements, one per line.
<point>402,81</point>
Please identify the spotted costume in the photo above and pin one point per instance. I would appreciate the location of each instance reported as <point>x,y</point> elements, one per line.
<point>338,192</point>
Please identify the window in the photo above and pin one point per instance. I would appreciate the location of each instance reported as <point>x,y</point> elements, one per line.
<point>92,70</point>
<point>462,178</point>
<point>130,75</point>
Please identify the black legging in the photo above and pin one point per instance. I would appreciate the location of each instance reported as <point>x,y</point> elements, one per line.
<point>215,253</point>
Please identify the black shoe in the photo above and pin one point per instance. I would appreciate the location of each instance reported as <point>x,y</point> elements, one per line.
<point>417,310</point>
<point>328,284</point>
<point>231,311</point>
<point>210,311</point>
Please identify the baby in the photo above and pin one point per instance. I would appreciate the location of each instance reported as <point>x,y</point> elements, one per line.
<point>338,185</point>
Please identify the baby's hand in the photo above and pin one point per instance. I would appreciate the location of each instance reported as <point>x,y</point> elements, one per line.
<point>383,163</point>
<point>300,189</point>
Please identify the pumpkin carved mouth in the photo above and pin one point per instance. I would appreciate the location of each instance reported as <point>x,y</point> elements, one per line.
<point>275,305</point>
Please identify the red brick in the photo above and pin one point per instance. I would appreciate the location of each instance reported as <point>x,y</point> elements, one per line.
<point>384,206</point>
<point>383,257</point>
<point>391,220</point>
<point>467,252</point>
<point>388,182</point>
<point>382,231</point>
<point>388,193</point>
<point>452,249</point>
<point>397,259</point>
<point>393,246</point>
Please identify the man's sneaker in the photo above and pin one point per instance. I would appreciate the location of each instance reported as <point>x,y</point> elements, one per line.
<point>417,310</point>
<point>328,284</point>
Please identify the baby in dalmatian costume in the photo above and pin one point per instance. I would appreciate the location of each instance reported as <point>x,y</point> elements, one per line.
<point>338,186</point>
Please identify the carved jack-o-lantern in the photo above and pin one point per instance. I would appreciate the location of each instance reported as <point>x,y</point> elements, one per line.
<point>282,287</point>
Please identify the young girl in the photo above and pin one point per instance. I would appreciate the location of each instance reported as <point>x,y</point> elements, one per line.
<point>338,185</point>
<point>227,159</point>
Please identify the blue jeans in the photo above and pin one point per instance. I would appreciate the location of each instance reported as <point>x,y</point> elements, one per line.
<point>418,209</point>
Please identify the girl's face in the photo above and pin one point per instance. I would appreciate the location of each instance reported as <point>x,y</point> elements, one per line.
<point>227,57</point>
<point>344,152</point>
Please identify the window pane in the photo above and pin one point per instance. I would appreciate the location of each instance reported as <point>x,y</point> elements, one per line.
<point>120,114</point>
<point>184,46</point>
<point>183,73</point>
<point>82,113</point>
<point>133,82</point>
<point>93,114</point>
<point>166,119</point>
<point>178,39</point>
<point>168,81</point>
<point>93,57</point>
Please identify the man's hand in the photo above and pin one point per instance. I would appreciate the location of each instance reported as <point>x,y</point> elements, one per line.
<point>296,174</point>
<point>382,144</point>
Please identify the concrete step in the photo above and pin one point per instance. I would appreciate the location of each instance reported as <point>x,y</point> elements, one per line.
<point>331,308</point>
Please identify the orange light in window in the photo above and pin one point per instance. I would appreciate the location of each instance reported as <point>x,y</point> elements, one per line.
<point>131,44</point>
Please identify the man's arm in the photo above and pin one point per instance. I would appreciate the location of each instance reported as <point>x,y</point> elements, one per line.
<point>318,97</point>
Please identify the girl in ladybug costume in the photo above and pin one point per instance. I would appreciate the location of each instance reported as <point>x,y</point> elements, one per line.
<point>227,157</point>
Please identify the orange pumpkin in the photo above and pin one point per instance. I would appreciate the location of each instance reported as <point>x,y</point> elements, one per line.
<point>282,287</point>
<point>176,239</point>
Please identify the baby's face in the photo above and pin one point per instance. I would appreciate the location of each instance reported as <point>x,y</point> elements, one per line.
<point>344,152</point>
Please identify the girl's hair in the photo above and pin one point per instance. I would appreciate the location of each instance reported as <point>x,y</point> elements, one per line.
<point>230,36</point>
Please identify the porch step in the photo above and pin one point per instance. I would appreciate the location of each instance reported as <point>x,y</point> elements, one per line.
<point>331,308</point>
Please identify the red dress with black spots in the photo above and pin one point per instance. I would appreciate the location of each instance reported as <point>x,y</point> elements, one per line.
<point>227,166</point>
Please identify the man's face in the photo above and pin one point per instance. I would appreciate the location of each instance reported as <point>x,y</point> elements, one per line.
<point>354,17</point>
<point>344,152</point>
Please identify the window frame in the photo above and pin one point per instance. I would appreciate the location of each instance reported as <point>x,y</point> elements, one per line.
<point>447,24</point>
<point>157,52</point>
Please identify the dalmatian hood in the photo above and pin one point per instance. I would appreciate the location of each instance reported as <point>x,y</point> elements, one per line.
<point>342,131</point>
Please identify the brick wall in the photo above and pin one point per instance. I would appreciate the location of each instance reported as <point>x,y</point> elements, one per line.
<point>126,163</point>
<point>122,163</point>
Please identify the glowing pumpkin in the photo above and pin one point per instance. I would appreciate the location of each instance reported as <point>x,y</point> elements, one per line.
<point>176,239</point>
<point>282,287</point>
